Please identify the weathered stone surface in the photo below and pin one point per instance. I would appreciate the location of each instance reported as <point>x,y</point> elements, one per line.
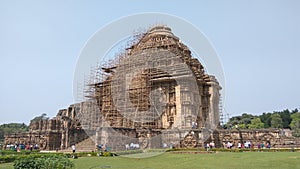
<point>157,70</point>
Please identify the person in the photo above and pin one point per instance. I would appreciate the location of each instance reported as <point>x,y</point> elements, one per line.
<point>99,148</point>
<point>212,144</point>
<point>239,145</point>
<point>164,145</point>
<point>207,146</point>
<point>247,144</point>
<point>193,125</point>
<point>73,148</point>
<point>229,145</point>
<point>36,146</point>
<point>268,145</point>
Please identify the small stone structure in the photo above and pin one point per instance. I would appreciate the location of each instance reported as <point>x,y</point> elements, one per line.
<point>157,69</point>
<point>277,138</point>
<point>44,134</point>
<point>52,134</point>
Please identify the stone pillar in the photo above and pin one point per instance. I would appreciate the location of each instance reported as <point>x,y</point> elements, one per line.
<point>214,112</point>
<point>178,118</point>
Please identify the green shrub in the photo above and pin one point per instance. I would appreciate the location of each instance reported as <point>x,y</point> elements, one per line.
<point>106,154</point>
<point>7,159</point>
<point>23,152</point>
<point>43,162</point>
<point>25,162</point>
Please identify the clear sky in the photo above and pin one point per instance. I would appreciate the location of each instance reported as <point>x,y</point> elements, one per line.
<point>258,43</point>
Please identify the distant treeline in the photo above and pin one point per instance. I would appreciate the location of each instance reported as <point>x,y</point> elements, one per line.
<point>12,128</point>
<point>277,119</point>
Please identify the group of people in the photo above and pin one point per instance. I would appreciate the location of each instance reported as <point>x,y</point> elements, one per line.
<point>19,147</point>
<point>194,125</point>
<point>228,145</point>
<point>132,146</point>
<point>102,147</point>
<point>209,145</point>
<point>246,144</point>
<point>262,145</point>
<point>171,145</point>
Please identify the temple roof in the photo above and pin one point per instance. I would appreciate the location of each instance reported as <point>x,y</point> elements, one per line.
<point>155,37</point>
<point>162,30</point>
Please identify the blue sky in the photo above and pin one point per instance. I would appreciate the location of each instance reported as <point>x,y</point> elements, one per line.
<point>258,43</point>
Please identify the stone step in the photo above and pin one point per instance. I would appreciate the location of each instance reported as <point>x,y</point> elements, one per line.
<point>86,145</point>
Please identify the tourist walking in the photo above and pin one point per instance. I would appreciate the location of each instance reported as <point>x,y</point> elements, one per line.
<point>73,148</point>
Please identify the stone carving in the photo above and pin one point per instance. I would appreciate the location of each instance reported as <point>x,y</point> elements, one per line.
<point>189,141</point>
<point>182,115</point>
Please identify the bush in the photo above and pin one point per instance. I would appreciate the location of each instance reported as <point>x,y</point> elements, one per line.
<point>7,159</point>
<point>25,162</point>
<point>43,162</point>
<point>106,154</point>
<point>23,152</point>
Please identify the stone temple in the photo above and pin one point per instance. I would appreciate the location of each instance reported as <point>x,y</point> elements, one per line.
<point>153,94</point>
<point>156,92</point>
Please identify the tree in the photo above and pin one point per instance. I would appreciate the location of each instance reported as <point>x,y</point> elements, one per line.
<point>276,121</point>
<point>256,124</point>
<point>295,124</point>
<point>12,128</point>
<point>295,111</point>
<point>242,121</point>
<point>266,119</point>
<point>242,126</point>
<point>286,118</point>
<point>41,117</point>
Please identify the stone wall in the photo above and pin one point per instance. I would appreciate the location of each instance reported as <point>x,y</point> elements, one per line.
<point>184,95</point>
<point>45,134</point>
<point>275,137</point>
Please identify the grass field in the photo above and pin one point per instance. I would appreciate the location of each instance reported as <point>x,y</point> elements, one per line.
<point>224,160</point>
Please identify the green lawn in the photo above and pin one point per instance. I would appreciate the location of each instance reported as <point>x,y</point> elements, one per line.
<point>6,166</point>
<point>251,160</point>
<point>244,160</point>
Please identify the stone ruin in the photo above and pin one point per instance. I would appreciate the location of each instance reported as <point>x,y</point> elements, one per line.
<point>154,94</point>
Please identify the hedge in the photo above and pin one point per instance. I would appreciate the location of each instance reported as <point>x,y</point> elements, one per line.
<point>23,152</point>
<point>43,162</point>
<point>7,159</point>
<point>238,150</point>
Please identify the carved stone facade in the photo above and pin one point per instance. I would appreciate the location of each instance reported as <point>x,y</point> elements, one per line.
<point>54,134</point>
<point>277,138</point>
<point>154,91</point>
<point>156,94</point>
